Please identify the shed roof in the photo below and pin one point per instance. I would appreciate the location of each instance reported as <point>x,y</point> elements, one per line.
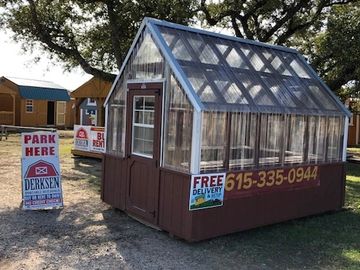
<point>40,90</point>
<point>93,88</point>
<point>220,72</point>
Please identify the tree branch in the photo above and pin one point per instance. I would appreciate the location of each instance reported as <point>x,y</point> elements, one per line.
<point>115,42</point>
<point>46,38</point>
<point>236,27</point>
<point>209,18</point>
<point>287,16</point>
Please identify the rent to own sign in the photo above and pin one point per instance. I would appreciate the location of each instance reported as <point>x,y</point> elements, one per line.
<point>97,139</point>
<point>206,191</point>
<point>81,137</point>
<point>40,170</point>
<point>88,138</point>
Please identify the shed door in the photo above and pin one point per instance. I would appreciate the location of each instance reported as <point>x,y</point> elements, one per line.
<point>51,113</point>
<point>143,148</point>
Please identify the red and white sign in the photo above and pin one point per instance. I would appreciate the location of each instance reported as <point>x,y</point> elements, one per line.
<point>39,144</point>
<point>81,137</point>
<point>41,179</point>
<point>88,138</point>
<point>97,139</point>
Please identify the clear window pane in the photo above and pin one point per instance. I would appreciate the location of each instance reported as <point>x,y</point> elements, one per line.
<point>294,143</point>
<point>213,141</point>
<point>143,125</point>
<point>317,139</point>
<point>116,129</point>
<point>242,140</point>
<point>271,138</point>
<point>147,62</point>
<point>335,130</point>
<point>178,129</point>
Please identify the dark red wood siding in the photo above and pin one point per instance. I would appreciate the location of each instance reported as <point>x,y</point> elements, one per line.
<point>174,214</point>
<point>237,214</point>
<point>114,181</point>
<point>240,214</point>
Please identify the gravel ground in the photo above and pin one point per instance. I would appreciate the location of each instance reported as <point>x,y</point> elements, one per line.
<point>89,234</point>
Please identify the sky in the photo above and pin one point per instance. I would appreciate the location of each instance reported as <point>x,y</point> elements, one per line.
<point>15,63</point>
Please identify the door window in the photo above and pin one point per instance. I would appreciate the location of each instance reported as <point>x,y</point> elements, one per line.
<point>143,125</point>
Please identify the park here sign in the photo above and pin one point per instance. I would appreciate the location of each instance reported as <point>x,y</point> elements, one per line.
<point>41,178</point>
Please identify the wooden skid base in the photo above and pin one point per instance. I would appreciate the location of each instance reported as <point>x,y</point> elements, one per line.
<point>80,153</point>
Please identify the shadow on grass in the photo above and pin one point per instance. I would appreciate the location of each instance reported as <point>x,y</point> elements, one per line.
<point>59,238</point>
<point>316,242</point>
<point>85,169</point>
<point>89,235</point>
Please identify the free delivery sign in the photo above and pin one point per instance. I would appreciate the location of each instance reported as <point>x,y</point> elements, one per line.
<point>206,191</point>
<point>40,170</point>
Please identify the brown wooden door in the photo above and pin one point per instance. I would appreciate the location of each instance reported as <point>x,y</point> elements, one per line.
<point>143,150</point>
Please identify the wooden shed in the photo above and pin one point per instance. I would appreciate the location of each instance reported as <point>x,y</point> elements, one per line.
<point>35,103</point>
<point>89,102</point>
<point>208,134</point>
<point>354,122</point>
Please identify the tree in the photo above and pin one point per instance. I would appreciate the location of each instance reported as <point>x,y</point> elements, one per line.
<point>274,21</point>
<point>94,34</point>
<point>335,52</point>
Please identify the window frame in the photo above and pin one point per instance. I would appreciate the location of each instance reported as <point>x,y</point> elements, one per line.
<point>90,102</point>
<point>142,125</point>
<point>27,106</point>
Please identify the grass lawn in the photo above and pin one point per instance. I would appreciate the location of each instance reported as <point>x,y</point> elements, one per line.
<point>354,151</point>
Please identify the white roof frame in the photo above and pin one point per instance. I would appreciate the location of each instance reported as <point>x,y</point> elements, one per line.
<point>152,24</point>
<point>169,58</point>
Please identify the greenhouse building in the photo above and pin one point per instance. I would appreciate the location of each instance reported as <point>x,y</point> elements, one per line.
<point>208,134</point>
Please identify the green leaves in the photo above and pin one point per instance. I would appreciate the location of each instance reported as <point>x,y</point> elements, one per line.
<point>335,52</point>
<point>95,34</point>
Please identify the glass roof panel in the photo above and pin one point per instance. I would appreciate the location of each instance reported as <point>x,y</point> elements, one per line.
<point>177,46</point>
<point>276,62</point>
<point>297,67</point>
<point>255,89</point>
<point>202,50</point>
<point>200,84</point>
<point>325,100</point>
<point>225,72</point>
<point>299,91</point>
<point>279,90</point>
<point>228,88</point>
<point>235,60</point>
<point>254,58</point>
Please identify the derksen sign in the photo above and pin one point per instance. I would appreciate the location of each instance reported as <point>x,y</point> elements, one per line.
<point>40,171</point>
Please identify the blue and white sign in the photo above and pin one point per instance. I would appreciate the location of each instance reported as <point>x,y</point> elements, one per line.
<point>207,191</point>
